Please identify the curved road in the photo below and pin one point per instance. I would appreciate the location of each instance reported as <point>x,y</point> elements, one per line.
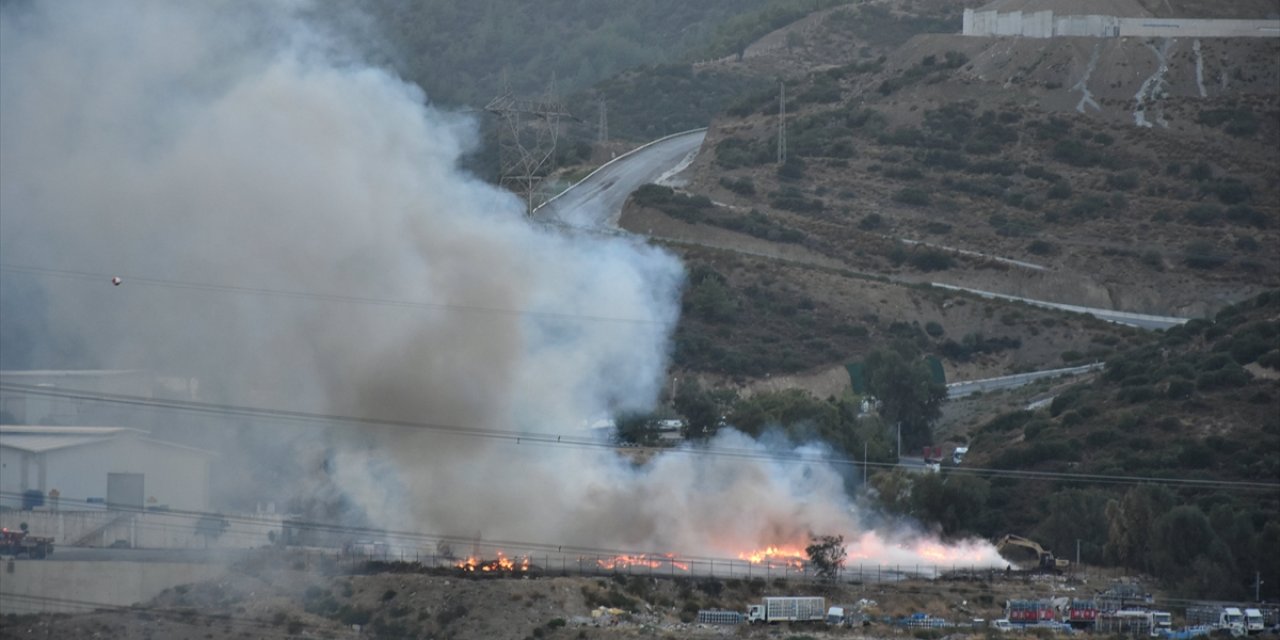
<point>1139,320</point>
<point>596,200</point>
<point>970,387</point>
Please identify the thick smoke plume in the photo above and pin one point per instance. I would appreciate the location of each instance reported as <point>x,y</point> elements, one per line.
<point>187,144</point>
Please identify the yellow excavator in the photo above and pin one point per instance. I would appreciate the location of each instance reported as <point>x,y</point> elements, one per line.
<point>1045,557</point>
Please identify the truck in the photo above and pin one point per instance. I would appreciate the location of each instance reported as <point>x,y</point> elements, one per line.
<point>1228,619</point>
<point>1028,611</point>
<point>835,616</point>
<point>1161,623</point>
<point>1081,613</point>
<point>1231,619</point>
<point>788,609</point>
<point>14,543</point>
<point>1253,622</point>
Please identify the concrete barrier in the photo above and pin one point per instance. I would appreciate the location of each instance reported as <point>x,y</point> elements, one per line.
<point>149,530</point>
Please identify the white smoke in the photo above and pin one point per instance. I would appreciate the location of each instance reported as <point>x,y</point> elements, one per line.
<point>225,143</point>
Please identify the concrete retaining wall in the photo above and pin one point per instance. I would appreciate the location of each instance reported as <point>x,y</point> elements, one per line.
<point>1043,24</point>
<point>1153,28</point>
<point>29,586</point>
<point>151,530</point>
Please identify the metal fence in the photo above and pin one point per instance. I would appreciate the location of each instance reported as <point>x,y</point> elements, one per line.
<point>647,565</point>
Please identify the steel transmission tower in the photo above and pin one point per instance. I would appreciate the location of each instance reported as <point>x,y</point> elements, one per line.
<point>529,130</point>
<point>782,123</point>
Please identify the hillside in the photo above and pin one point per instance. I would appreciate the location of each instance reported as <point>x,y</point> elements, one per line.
<point>911,155</point>
<point>1199,404</point>
<point>1117,173</point>
<point>919,146</point>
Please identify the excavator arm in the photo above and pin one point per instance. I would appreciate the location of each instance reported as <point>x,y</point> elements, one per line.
<point>1045,558</point>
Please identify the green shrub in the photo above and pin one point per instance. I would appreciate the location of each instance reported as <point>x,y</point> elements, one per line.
<point>1247,216</point>
<point>792,169</point>
<point>1225,378</point>
<point>1180,389</point>
<point>1202,215</point>
<point>1042,247</point>
<point>1270,359</point>
<point>912,196</point>
<point>1231,191</point>
<point>1076,153</point>
<point>931,260</point>
<point>1201,254</point>
<point>934,329</point>
<point>1127,181</point>
<point>871,221</point>
<point>741,186</point>
<point>1153,259</point>
<point>1008,422</point>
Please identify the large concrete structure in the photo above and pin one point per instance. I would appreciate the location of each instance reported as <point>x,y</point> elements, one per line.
<point>119,466</point>
<point>1045,24</point>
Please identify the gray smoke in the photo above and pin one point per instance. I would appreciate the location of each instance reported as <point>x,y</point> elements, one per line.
<point>228,144</point>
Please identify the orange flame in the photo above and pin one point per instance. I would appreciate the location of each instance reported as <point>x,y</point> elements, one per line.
<point>776,556</point>
<point>642,560</point>
<point>501,564</point>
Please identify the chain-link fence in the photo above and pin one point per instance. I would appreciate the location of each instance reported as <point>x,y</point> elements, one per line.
<point>669,566</point>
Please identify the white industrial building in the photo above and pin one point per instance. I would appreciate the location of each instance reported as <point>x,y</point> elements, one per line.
<point>87,467</point>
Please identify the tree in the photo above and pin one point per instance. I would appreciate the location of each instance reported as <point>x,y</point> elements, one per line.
<point>1130,523</point>
<point>1183,543</point>
<point>956,502</point>
<point>698,408</point>
<point>712,300</point>
<point>637,428</point>
<point>827,554</point>
<point>1075,514</point>
<point>907,393</point>
<point>210,527</point>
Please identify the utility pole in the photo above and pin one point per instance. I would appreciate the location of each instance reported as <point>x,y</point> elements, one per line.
<point>864,466</point>
<point>1257,586</point>
<point>899,442</point>
<point>782,123</point>
<point>602,130</point>
<point>1077,565</point>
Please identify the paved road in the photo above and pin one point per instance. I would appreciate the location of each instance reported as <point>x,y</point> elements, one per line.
<point>1140,320</point>
<point>969,387</point>
<point>596,201</point>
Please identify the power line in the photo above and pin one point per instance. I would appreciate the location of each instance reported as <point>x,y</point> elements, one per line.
<point>554,439</point>
<point>325,297</point>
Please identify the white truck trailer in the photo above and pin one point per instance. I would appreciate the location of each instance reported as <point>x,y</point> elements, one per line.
<point>788,609</point>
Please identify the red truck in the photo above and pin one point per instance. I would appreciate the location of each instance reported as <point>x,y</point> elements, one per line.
<point>13,543</point>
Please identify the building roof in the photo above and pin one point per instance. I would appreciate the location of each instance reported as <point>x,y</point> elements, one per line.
<point>39,439</point>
